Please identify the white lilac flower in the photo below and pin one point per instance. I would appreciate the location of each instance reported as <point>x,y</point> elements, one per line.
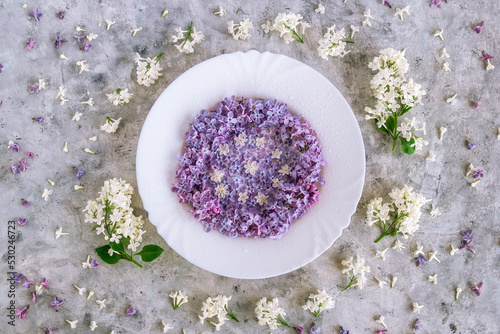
<point>381,254</point>
<point>416,307</point>
<point>39,290</point>
<point>276,154</point>
<point>434,211</point>
<point>380,282</point>
<point>59,233</point>
<point>65,147</point>
<point>431,156</point>
<point>400,12</point>
<point>367,15</point>
<point>217,175</point>
<point>285,170</point>
<point>419,250</point>
<point>320,9</point>
<point>92,36</point>
<point>277,182</point>
<point>111,125</point>
<point>72,324</point>
<point>473,184</point>
<point>261,198</point>
<point>165,12</point>
<point>52,183</point>
<point>166,327</point>
<point>240,30</point>
<point>109,23</point>
<point>380,320</point>
<point>223,149</point>
<point>439,33</point>
<point>83,66</point>
<point>62,100</point>
<point>398,244</point>
<point>88,150</point>
<point>457,293</point>
<point>178,298</point>
<point>89,102</point>
<point>135,30</point>
<point>269,313</point>
<point>220,12</point>
<point>393,281</point>
<point>333,43</point>
<point>240,140</point>
<point>42,84</point>
<point>148,70</point>
<point>454,250</point>
<point>62,56</point>
<point>432,256</point>
<point>93,138</point>
<point>78,187</point>
<point>91,293</point>
<point>444,53</point>
<point>289,26</point>
<point>61,92</point>
<point>93,325</point>
<point>80,29</point>
<point>119,97</point>
<point>100,303</point>
<point>446,66</point>
<point>216,307</point>
<point>81,291</point>
<point>87,264</point>
<point>354,30</point>
<point>442,131</point>
<point>242,197</point>
<point>188,38</point>
<point>319,302</point>
<point>47,193</point>
<point>356,272</point>
<point>76,116</point>
<point>251,167</point>
<point>432,278</point>
<point>489,65</point>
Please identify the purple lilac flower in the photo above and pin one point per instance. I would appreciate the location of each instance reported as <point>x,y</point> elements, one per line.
<point>22,221</point>
<point>24,165</point>
<point>250,168</point>
<point>417,325</point>
<point>94,264</point>
<point>420,260</point>
<point>1,66</point>
<point>477,173</point>
<point>27,283</point>
<point>14,147</point>
<point>79,38</point>
<point>131,311</point>
<point>382,331</point>
<point>476,105</point>
<point>79,172</point>
<point>25,202</point>
<point>386,3</point>
<point>436,3</point>
<point>315,330</point>
<point>60,14</point>
<point>58,42</point>
<point>29,154</point>
<point>343,331</point>
<point>36,15</point>
<point>34,296</point>
<point>22,312</point>
<point>86,47</point>
<point>486,56</point>
<point>477,288</point>
<point>16,169</point>
<point>45,283</point>
<point>50,331</point>
<point>471,145</point>
<point>30,44</point>
<point>33,88</point>
<point>38,119</point>
<point>299,329</point>
<point>56,302</point>
<point>18,278</point>
<point>479,28</point>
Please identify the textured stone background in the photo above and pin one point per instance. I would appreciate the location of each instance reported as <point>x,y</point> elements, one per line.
<point>111,66</point>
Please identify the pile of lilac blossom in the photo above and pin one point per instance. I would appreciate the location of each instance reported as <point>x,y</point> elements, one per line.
<point>250,168</point>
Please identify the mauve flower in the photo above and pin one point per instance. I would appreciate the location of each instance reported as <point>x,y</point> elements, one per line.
<point>420,260</point>
<point>315,330</point>
<point>86,47</point>
<point>16,169</point>
<point>479,28</point>
<point>477,173</point>
<point>30,44</point>
<point>24,165</point>
<point>22,312</point>
<point>476,105</point>
<point>22,221</point>
<point>94,264</point>
<point>14,146</point>
<point>471,145</point>
<point>24,202</point>
<point>486,56</point>
<point>477,288</point>
<point>1,66</point>
<point>58,42</point>
<point>38,119</point>
<point>27,283</point>
<point>436,3</point>
<point>386,3</point>
<point>18,278</point>
<point>36,15</point>
<point>34,296</point>
<point>45,283</point>
<point>299,329</point>
<point>343,331</point>
<point>33,88</point>
<point>50,331</point>
<point>60,14</point>
<point>79,172</point>
<point>29,154</point>
<point>131,311</point>
<point>417,325</point>
<point>56,302</point>
<point>79,38</point>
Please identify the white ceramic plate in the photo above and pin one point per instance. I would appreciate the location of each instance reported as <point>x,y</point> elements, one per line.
<point>256,75</point>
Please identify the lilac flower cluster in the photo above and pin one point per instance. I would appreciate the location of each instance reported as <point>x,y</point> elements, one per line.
<point>250,168</point>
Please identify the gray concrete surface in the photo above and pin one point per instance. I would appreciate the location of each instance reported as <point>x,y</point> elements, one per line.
<point>39,255</point>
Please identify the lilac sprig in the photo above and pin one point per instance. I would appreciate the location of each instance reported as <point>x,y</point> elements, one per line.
<point>250,168</point>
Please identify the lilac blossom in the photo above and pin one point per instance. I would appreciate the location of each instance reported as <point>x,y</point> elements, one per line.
<point>315,330</point>
<point>486,56</point>
<point>29,154</point>
<point>38,119</point>
<point>22,312</point>
<point>250,168</point>
<point>417,325</point>
<point>45,283</point>
<point>60,14</point>
<point>50,331</point>
<point>79,38</point>
<point>27,283</point>
<point>477,173</point>
<point>14,146</point>
<point>420,260</point>
<point>36,15</point>
<point>22,221</point>
<point>79,172</point>
<point>86,47</point>
<point>25,202</point>
<point>471,145</point>
<point>131,311</point>
<point>477,288</point>
<point>476,105</point>
<point>382,331</point>
<point>1,66</point>
<point>386,3</point>
<point>56,302</point>
<point>479,28</point>
<point>30,44</point>
<point>58,42</point>
<point>467,240</point>
<point>94,264</point>
<point>33,88</point>
<point>299,329</point>
<point>436,3</point>
<point>16,169</point>
<point>343,331</point>
<point>24,165</point>
<point>34,296</point>
<point>18,278</point>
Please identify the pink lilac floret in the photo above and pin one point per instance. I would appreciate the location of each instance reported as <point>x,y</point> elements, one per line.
<point>291,196</point>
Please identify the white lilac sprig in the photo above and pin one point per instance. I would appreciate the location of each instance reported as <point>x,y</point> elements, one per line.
<point>119,97</point>
<point>289,26</point>
<point>356,272</point>
<point>271,314</point>
<point>113,217</point>
<point>188,38</point>
<point>148,70</point>
<point>333,43</point>
<point>178,298</point>
<point>319,302</point>
<point>400,215</point>
<point>240,30</point>
<point>217,307</point>
<point>111,125</point>
<point>395,97</point>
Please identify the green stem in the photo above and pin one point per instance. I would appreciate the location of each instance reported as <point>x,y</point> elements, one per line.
<point>231,314</point>
<point>131,259</point>
<point>190,30</point>
<point>299,39</point>
<point>352,280</point>
<point>283,322</point>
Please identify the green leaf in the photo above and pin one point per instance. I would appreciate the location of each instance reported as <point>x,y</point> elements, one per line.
<point>391,124</point>
<point>406,145</point>
<point>404,109</point>
<point>150,252</point>
<point>104,255</point>
<point>95,227</point>
<point>118,247</point>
